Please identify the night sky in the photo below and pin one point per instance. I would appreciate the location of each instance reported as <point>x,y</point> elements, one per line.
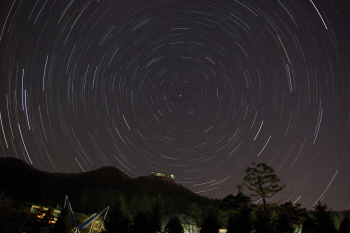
<point>199,89</point>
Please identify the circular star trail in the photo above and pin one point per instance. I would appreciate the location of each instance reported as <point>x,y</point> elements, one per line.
<point>199,89</point>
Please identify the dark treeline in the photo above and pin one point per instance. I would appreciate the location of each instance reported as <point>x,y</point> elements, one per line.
<point>242,216</point>
<point>142,210</point>
<point>236,213</point>
<point>89,201</point>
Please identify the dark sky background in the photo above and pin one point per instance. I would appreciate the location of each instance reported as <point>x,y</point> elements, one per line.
<point>196,88</point>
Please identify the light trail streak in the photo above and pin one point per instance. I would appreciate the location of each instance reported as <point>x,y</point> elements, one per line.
<point>25,104</point>
<point>319,14</point>
<point>19,127</point>
<point>259,130</point>
<point>206,190</point>
<point>318,127</point>
<point>264,146</point>
<point>326,188</point>
<point>7,19</point>
<point>3,132</point>
<point>296,200</point>
<point>45,73</point>
<point>80,165</point>
<point>127,122</point>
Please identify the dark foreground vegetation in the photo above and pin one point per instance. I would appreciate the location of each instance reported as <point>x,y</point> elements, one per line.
<point>140,206</point>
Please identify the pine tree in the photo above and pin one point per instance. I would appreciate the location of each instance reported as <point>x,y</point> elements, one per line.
<point>141,223</point>
<point>240,222</point>
<point>284,223</point>
<point>323,219</point>
<point>309,225</point>
<point>156,214</point>
<point>290,217</point>
<point>264,221</point>
<point>117,218</point>
<point>210,223</point>
<point>234,203</point>
<point>6,210</point>
<point>263,182</point>
<point>238,211</point>
<point>194,212</point>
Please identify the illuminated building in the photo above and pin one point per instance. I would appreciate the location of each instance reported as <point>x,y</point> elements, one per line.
<point>163,176</point>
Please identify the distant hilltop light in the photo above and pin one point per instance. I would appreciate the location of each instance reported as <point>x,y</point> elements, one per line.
<point>163,176</point>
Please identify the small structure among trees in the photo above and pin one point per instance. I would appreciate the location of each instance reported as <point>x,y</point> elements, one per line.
<point>67,220</point>
<point>163,176</point>
<point>188,224</point>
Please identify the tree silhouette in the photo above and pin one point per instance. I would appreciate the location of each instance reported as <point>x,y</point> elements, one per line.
<point>12,219</point>
<point>239,212</point>
<point>320,221</point>
<point>210,223</point>
<point>286,218</point>
<point>195,212</point>
<point>6,210</point>
<point>337,219</point>
<point>263,182</point>
<point>299,215</point>
<point>174,226</point>
<point>264,222</point>
<point>234,203</point>
<point>309,226</point>
<point>323,219</point>
<point>240,222</point>
<point>156,214</point>
<point>345,226</point>
<point>117,218</point>
<point>141,223</point>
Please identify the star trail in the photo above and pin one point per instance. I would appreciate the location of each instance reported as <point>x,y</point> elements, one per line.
<point>199,89</point>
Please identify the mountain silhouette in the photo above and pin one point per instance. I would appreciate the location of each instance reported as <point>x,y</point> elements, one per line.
<point>25,183</point>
